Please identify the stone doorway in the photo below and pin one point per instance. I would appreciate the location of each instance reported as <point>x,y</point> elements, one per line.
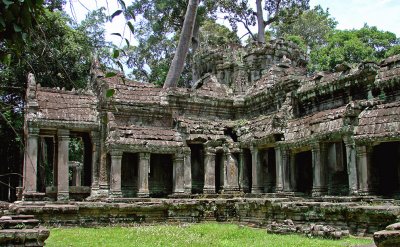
<point>219,172</point>
<point>246,171</point>
<point>385,168</point>
<point>129,174</point>
<point>269,169</point>
<point>161,175</point>
<point>197,167</point>
<point>337,175</point>
<point>303,172</point>
<point>47,163</point>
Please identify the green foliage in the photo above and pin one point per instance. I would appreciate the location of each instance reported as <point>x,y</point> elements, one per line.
<point>312,26</point>
<point>394,50</point>
<point>297,40</point>
<point>352,46</point>
<point>76,149</point>
<point>157,27</point>
<point>213,34</point>
<point>239,12</point>
<point>208,234</point>
<point>17,17</point>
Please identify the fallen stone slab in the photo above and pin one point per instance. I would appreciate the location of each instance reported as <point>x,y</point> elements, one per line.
<point>390,237</point>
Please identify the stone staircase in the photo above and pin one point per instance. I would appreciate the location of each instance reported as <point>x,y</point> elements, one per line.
<point>22,230</point>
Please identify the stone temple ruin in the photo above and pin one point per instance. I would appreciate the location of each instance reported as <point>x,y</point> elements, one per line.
<point>255,130</point>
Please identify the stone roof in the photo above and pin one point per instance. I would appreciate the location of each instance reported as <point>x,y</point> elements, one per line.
<point>314,125</point>
<point>278,75</point>
<point>326,82</point>
<point>390,70</point>
<point>258,128</point>
<point>62,105</point>
<point>132,92</point>
<point>379,122</point>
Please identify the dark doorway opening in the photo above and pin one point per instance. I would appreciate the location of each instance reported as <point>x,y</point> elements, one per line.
<point>269,169</point>
<point>246,171</point>
<point>129,174</point>
<point>160,179</point>
<point>304,172</point>
<point>219,172</point>
<point>197,167</point>
<point>385,167</point>
<point>338,178</point>
<point>46,162</point>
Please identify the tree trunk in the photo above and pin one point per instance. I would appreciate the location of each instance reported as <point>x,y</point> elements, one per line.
<point>260,23</point>
<point>182,49</point>
<point>195,46</point>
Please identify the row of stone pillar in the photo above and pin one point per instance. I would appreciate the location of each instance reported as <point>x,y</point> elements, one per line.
<point>181,173</point>
<point>357,161</point>
<point>62,166</point>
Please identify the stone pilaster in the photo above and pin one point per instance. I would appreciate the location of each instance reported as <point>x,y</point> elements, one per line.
<point>62,165</point>
<point>115,174</point>
<point>319,169</point>
<point>31,161</point>
<point>232,172</point>
<point>95,138</point>
<point>209,171</point>
<point>256,172</point>
<point>178,174</point>
<point>363,162</point>
<point>279,170</point>
<point>351,161</point>
<point>292,172</point>
<point>187,167</point>
<point>241,171</point>
<point>143,179</point>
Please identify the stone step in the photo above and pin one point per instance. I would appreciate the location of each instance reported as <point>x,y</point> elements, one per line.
<point>7,222</point>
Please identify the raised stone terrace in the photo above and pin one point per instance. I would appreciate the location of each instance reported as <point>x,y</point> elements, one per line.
<point>254,125</point>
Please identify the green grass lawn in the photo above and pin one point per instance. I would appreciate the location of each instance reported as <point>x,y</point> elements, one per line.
<point>206,234</point>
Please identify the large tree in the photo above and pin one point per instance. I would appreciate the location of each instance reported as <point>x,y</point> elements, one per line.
<point>240,12</point>
<point>59,53</point>
<point>353,46</point>
<point>312,26</point>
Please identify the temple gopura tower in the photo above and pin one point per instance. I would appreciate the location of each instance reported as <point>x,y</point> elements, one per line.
<point>254,123</point>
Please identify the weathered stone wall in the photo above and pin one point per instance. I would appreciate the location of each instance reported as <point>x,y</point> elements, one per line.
<point>355,217</point>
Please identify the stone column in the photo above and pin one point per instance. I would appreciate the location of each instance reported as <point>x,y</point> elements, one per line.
<point>209,171</point>
<point>31,161</point>
<point>351,165</point>
<point>95,163</point>
<point>256,172</point>
<point>292,172</point>
<point>115,174</point>
<point>279,170</point>
<point>232,173</point>
<point>241,170</point>
<point>178,174</point>
<point>363,161</point>
<point>319,171</point>
<point>187,167</point>
<point>286,160</point>
<point>62,165</point>
<point>143,175</point>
